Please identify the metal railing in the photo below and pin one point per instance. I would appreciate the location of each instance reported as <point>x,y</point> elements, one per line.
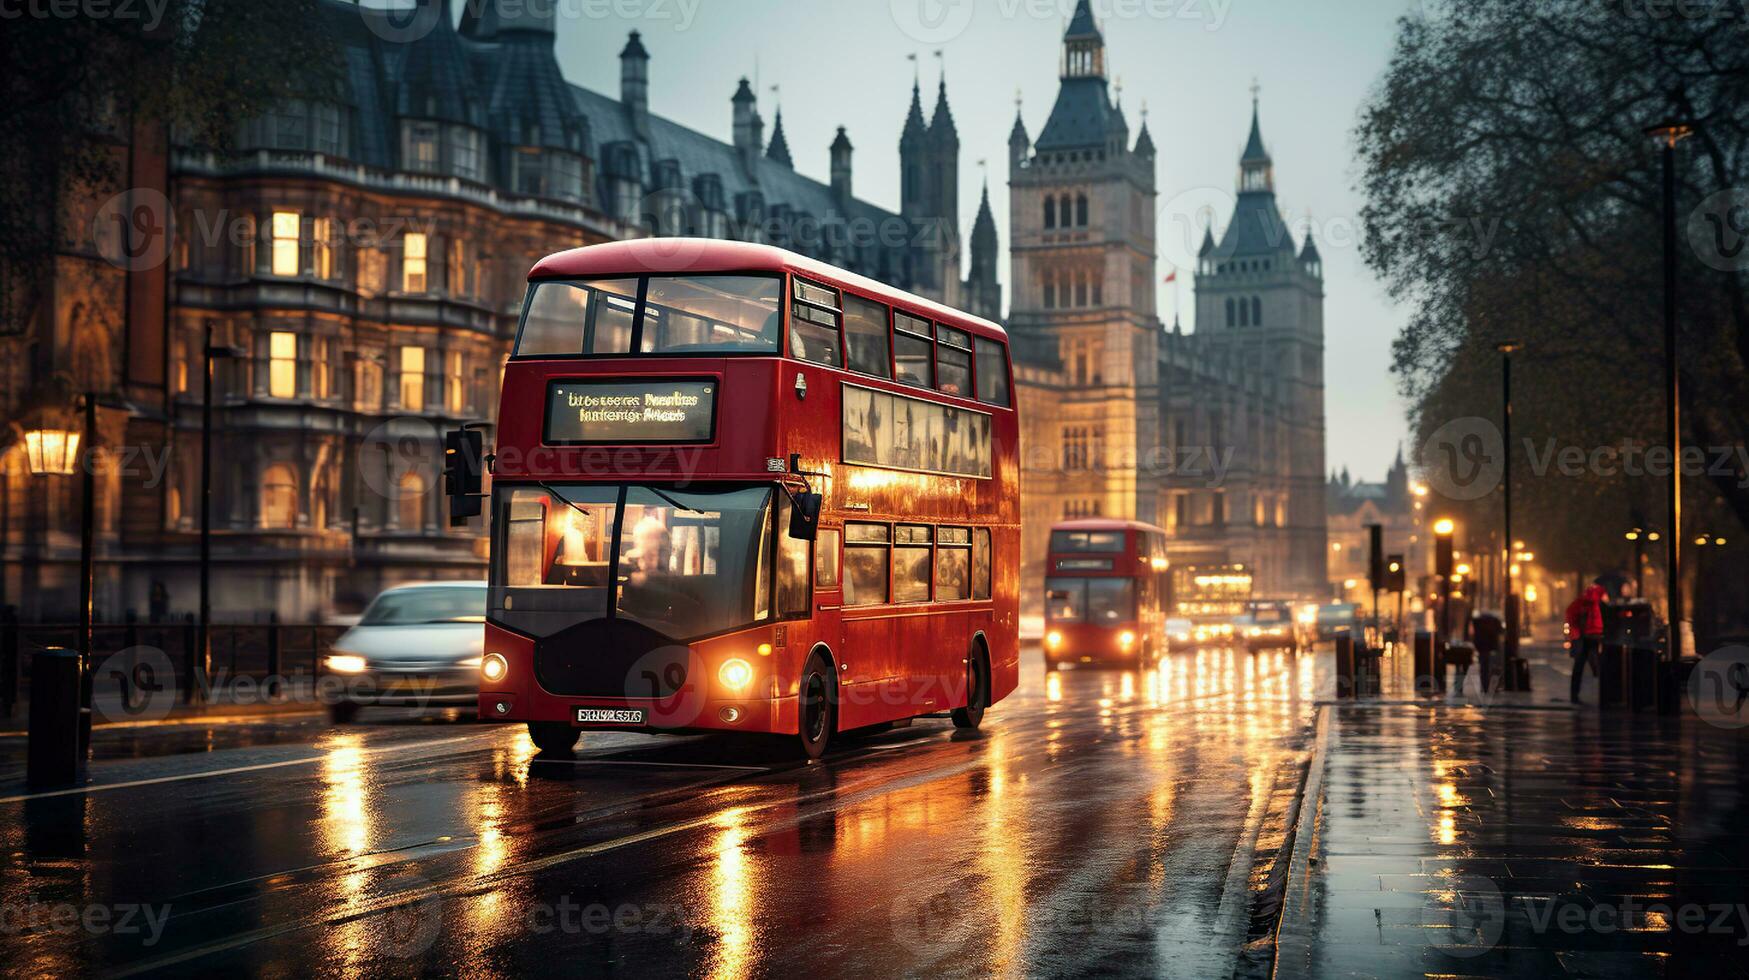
<point>265,653</point>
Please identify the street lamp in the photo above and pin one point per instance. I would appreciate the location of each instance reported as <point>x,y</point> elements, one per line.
<point>51,452</point>
<point>1443,560</point>
<point>1507,349</point>
<point>1667,134</point>
<point>203,630</point>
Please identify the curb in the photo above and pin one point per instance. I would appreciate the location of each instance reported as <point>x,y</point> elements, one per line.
<point>1292,938</point>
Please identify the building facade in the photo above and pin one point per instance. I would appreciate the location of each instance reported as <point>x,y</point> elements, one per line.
<point>1217,435</point>
<point>357,258</point>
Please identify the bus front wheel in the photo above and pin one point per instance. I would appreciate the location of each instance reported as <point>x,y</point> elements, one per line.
<point>977,692</point>
<point>553,737</point>
<point>818,706</point>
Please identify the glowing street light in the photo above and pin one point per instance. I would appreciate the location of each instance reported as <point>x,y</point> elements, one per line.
<point>51,452</point>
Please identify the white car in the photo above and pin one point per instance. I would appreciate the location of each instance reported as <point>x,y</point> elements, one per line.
<point>415,646</point>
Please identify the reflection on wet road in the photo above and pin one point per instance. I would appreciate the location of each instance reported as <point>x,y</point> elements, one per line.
<point>1101,822</point>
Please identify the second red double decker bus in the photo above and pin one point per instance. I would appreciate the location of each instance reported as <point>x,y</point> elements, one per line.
<point>660,559</point>
<point>1106,588</point>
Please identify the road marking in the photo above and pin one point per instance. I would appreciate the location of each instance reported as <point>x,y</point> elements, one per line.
<point>636,762</point>
<point>233,771</point>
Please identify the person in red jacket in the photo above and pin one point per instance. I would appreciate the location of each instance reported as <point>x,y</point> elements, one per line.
<point>1585,629</point>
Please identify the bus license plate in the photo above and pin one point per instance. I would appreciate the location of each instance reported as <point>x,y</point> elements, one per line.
<point>610,716</point>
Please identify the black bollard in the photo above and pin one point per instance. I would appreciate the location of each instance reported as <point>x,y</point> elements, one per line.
<point>1612,676</point>
<point>1423,662</point>
<point>54,755</point>
<point>1345,665</point>
<point>1643,679</point>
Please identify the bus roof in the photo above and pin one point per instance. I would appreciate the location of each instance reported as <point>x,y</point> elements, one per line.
<point>667,256</point>
<point>1103,524</point>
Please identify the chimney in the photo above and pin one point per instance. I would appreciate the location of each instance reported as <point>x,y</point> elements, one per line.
<point>841,150</point>
<point>634,84</point>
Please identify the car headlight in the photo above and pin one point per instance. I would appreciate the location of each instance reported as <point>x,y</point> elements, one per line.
<point>494,667</point>
<point>1053,639</point>
<point>1126,639</point>
<point>348,663</point>
<point>735,673</point>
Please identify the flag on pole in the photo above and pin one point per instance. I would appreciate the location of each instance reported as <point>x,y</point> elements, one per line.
<point>1173,277</point>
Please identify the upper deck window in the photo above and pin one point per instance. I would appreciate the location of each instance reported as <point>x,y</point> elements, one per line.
<point>912,349</point>
<point>674,315</point>
<point>992,372</point>
<point>1087,542</point>
<point>813,326</point>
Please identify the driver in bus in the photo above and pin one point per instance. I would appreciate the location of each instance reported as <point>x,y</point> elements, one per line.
<point>651,591</point>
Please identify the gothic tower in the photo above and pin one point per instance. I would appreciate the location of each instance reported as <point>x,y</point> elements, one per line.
<point>1260,308</point>
<point>1082,284</point>
<point>929,156</point>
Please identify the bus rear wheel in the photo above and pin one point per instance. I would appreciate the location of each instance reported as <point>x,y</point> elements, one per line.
<point>553,737</point>
<point>977,692</point>
<point>817,707</point>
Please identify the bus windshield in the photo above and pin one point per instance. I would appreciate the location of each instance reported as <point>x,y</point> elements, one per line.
<point>1099,601</point>
<point>1087,542</point>
<point>685,564</point>
<point>652,315</point>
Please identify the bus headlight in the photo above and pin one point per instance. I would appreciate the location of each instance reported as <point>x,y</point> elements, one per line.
<point>1126,639</point>
<point>1053,639</point>
<point>347,663</point>
<point>735,673</point>
<point>493,667</point>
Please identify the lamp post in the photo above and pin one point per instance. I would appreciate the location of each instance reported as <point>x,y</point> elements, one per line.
<point>1508,582</point>
<point>203,628</point>
<point>1668,134</point>
<point>1443,566</point>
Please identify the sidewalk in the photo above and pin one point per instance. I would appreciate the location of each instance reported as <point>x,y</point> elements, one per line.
<point>1516,838</point>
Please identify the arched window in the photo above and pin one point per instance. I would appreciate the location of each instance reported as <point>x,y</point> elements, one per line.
<point>279,497</point>
<point>410,503</point>
<point>1232,314</point>
<point>1065,209</point>
<point>1244,313</point>
<point>1081,211</point>
<point>1050,212</point>
<point>1257,311</point>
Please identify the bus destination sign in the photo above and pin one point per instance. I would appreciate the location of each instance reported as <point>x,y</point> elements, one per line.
<point>587,412</point>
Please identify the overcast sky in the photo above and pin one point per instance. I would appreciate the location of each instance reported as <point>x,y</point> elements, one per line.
<point>1191,62</point>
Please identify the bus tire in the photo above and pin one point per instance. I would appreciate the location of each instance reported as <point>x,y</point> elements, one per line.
<point>817,706</point>
<point>977,690</point>
<point>342,712</point>
<point>553,737</point>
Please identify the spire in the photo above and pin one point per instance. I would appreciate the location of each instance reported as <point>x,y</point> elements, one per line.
<point>1256,170</point>
<point>1083,45</point>
<point>1310,254</point>
<point>1208,243</point>
<point>778,152</point>
<point>1144,141</point>
<point>984,245</point>
<point>915,128</point>
<point>941,125</point>
<point>1082,26</point>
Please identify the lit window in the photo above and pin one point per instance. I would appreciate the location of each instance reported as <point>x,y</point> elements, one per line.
<point>279,497</point>
<point>413,263</point>
<point>285,243</point>
<point>324,248</point>
<point>413,378</point>
<point>455,383</point>
<point>458,268</point>
<point>282,365</point>
<point>410,501</point>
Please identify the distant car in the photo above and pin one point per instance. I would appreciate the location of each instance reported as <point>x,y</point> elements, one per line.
<point>1180,634</point>
<point>1336,619</point>
<point>1271,627</point>
<point>415,646</point>
<point>1212,634</point>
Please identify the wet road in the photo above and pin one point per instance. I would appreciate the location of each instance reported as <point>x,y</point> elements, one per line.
<point>1105,822</point>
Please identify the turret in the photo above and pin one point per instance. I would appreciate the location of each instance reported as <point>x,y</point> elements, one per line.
<point>749,130</point>
<point>1019,144</point>
<point>778,152</point>
<point>634,84</point>
<point>841,152</point>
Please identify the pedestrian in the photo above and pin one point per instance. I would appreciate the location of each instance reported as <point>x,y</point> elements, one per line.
<point>1585,628</point>
<point>1486,629</point>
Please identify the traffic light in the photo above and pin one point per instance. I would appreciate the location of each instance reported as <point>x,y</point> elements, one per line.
<point>1442,556</point>
<point>463,473</point>
<point>1396,574</point>
<point>1375,566</point>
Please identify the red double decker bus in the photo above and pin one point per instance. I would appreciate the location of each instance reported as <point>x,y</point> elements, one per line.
<point>736,489</point>
<point>1106,593</point>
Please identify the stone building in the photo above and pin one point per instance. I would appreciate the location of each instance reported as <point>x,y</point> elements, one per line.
<point>361,250</point>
